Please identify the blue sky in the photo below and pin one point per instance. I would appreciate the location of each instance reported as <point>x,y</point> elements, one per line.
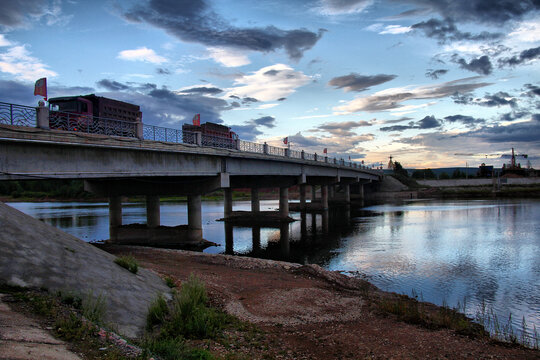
<point>432,83</point>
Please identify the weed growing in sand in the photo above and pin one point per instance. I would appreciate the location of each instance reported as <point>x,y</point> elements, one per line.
<point>157,312</point>
<point>170,282</point>
<point>128,262</point>
<point>93,307</point>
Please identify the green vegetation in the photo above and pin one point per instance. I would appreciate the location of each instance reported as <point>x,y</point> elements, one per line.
<point>170,282</point>
<point>426,174</point>
<point>42,189</point>
<point>128,262</point>
<point>93,308</point>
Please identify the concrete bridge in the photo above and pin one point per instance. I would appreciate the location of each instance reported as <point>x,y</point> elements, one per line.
<point>115,166</point>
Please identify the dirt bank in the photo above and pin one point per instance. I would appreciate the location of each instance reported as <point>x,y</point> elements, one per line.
<point>308,313</point>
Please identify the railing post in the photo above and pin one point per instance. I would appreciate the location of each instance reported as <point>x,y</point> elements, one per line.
<point>265,148</point>
<point>42,114</point>
<point>287,153</point>
<point>198,138</point>
<point>315,156</point>
<point>303,155</point>
<point>237,147</point>
<point>326,159</point>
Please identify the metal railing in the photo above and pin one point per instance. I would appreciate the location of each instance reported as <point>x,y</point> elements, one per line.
<point>91,124</point>
<point>19,115</point>
<point>158,133</point>
<point>249,146</point>
<point>218,141</point>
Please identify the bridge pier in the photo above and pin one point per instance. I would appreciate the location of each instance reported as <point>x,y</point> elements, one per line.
<point>313,193</point>
<point>194,217</point>
<point>255,203</point>
<point>228,202</point>
<point>324,197</point>
<point>152,211</point>
<point>115,216</point>
<point>347,190</point>
<point>302,196</point>
<point>283,202</point>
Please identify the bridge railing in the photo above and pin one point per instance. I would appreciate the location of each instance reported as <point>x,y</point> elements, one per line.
<point>18,115</point>
<point>91,124</point>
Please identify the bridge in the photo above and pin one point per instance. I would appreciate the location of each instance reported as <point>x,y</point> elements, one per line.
<point>155,163</point>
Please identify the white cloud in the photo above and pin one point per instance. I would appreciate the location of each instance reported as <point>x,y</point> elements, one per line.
<point>141,54</point>
<point>229,57</point>
<point>4,41</point>
<point>339,7</point>
<point>269,83</point>
<point>18,62</point>
<point>526,32</point>
<point>395,30</point>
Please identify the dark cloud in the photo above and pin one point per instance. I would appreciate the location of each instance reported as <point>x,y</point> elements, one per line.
<point>435,74</point>
<point>388,101</point>
<point>112,85</point>
<point>446,31</point>
<point>498,99</point>
<point>267,121</point>
<point>493,12</point>
<point>514,133</point>
<point>356,82</point>
<point>532,90</point>
<point>162,71</point>
<point>282,99</point>
<point>17,93</point>
<point>194,21</point>
<point>202,90</point>
<point>514,115</point>
<point>523,57</point>
<point>302,141</point>
<point>16,13</point>
<point>271,72</point>
<point>234,97</point>
<point>341,129</point>
<point>428,122</point>
<point>481,65</point>
<point>468,121</point>
<point>248,100</point>
<point>394,121</point>
<point>250,130</point>
<point>463,99</point>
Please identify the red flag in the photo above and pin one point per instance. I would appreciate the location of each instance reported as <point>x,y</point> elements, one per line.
<point>41,88</point>
<point>197,120</point>
<point>325,151</point>
<point>286,140</point>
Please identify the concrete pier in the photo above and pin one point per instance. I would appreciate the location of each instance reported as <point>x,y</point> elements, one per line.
<point>324,197</point>
<point>152,211</point>
<point>313,193</point>
<point>115,216</point>
<point>255,203</point>
<point>194,217</point>
<point>303,196</point>
<point>347,190</point>
<point>228,202</point>
<point>283,202</point>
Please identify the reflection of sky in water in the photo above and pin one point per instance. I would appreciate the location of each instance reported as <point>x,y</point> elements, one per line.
<point>444,250</point>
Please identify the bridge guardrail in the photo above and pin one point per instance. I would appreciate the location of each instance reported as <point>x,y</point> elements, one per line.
<point>18,115</point>
<point>89,124</point>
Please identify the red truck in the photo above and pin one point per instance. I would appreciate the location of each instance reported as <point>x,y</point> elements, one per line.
<point>212,134</point>
<point>94,114</point>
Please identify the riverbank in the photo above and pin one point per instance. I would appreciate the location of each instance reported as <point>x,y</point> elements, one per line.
<point>305,312</point>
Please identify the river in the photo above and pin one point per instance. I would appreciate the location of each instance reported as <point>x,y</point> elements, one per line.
<point>445,252</point>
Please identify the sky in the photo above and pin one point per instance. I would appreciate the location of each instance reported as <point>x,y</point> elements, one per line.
<point>430,83</point>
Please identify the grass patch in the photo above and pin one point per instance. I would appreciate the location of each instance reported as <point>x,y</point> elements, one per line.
<point>170,282</point>
<point>128,262</point>
<point>93,308</point>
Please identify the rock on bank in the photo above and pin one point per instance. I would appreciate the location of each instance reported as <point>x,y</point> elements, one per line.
<point>34,254</point>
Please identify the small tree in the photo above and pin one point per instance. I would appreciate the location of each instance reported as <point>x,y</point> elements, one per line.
<point>399,170</point>
<point>444,176</point>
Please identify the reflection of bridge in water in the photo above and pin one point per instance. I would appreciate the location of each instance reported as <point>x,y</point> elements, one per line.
<point>119,166</point>
<point>309,240</point>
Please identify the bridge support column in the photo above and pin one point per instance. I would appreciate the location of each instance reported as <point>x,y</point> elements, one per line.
<point>324,196</point>
<point>152,211</point>
<point>303,196</point>
<point>115,216</point>
<point>347,189</point>
<point>283,202</point>
<point>194,217</point>
<point>313,193</point>
<point>361,191</point>
<point>255,203</point>
<point>227,200</point>
<point>331,191</point>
